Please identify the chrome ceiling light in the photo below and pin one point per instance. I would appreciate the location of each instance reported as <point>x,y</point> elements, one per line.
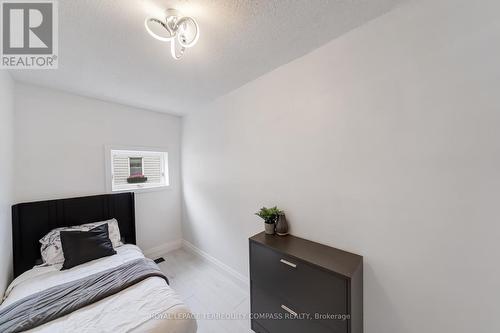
<point>181,31</point>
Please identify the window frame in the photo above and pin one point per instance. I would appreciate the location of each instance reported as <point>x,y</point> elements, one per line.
<point>138,187</point>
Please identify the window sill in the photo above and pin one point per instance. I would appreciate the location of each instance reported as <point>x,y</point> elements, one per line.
<point>137,189</point>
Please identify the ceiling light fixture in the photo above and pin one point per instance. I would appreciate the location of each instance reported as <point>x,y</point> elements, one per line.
<point>176,29</point>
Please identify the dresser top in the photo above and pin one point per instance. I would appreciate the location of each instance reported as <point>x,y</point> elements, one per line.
<point>330,258</point>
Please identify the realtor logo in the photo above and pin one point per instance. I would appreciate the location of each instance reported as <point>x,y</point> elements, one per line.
<point>29,34</point>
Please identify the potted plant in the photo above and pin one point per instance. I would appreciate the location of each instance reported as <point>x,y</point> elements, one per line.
<point>137,179</point>
<point>269,215</point>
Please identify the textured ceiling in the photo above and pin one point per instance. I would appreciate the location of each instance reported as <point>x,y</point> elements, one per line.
<point>105,52</point>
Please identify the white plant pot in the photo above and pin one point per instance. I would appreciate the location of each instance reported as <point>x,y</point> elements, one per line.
<point>269,228</point>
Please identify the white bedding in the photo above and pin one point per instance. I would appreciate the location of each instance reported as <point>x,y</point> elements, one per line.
<point>131,310</point>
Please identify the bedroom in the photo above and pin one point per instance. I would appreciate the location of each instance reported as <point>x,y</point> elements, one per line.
<point>372,126</point>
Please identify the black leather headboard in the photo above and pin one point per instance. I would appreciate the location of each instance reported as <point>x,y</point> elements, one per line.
<point>31,221</point>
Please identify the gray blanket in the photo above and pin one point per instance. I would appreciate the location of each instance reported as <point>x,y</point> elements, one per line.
<point>58,301</point>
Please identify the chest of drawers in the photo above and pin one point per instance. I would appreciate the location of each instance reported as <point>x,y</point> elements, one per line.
<point>301,286</point>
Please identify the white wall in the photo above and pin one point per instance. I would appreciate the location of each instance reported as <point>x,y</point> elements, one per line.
<point>6,176</point>
<point>384,142</point>
<point>60,140</point>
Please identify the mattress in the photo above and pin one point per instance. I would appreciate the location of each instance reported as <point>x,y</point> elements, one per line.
<point>148,306</point>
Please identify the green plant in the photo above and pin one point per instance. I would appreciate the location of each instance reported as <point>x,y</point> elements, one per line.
<point>269,215</point>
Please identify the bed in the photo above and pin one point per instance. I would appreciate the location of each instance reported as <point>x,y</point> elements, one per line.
<point>146,306</point>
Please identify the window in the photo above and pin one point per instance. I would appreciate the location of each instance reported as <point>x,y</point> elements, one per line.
<point>136,166</point>
<point>134,169</point>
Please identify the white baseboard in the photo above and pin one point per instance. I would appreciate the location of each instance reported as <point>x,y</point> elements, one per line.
<point>237,277</point>
<point>157,251</point>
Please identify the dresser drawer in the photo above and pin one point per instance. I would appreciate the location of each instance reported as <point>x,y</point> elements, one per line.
<point>269,313</point>
<point>257,328</point>
<point>309,278</point>
<point>296,282</point>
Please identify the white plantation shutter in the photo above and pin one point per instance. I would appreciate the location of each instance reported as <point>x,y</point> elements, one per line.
<point>154,168</point>
<point>120,169</point>
<point>151,166</point>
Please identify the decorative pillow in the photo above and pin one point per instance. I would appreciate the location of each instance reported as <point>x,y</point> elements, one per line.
<point>83,246</point>
<point>51,249</point>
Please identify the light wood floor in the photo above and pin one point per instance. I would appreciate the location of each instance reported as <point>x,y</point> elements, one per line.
<point>208,291</point>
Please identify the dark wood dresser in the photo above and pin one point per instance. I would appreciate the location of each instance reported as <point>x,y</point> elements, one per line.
<point>299,286</point>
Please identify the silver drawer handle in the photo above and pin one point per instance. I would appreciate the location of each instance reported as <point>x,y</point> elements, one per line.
<point>290,311</point>
<point>288,263</point>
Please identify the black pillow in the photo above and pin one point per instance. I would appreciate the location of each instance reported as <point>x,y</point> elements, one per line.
<point>82,246</point>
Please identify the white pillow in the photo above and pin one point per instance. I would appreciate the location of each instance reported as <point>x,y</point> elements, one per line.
<point>51,249</point>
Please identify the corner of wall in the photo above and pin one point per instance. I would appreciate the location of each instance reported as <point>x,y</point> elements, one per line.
<point>6,176</point>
